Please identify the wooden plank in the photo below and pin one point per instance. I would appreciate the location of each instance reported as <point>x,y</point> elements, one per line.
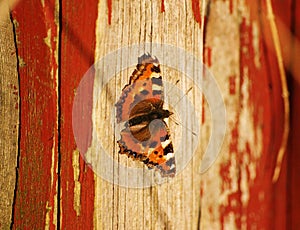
<point>169,205</point>
<point>9,115</point>
<point>234,40</point>
<point>294,159</point>
<point>238,192</point>
<point>291,38</point>
<point>36,25</point>
<point>232,199</point>
<point>77,55</point>
<point>226,182</point>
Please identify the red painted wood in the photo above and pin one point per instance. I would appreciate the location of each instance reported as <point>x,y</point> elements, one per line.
<point>293,162</point>
<point>257,213</point>
<point>77,55</point>
<point>264,207</point>
<point>162,7</point>
<point>38,121</point>
<point>271,206</point>
<point>196,11</point>
<point>207,56</point>
<point>288,23</point>
<point>293,165</point>
<point>281,190</point>
<point>281,208</point>
<point>109,8</point>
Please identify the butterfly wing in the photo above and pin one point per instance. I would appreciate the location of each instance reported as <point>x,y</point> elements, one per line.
<point>156,151</point>
<point>161,153</point>
<point>145,83</point>
<point>145,138</point>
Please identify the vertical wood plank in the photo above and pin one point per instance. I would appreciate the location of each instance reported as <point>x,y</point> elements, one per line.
<point>293,157</point>
<point>36,25</point>
<point>77,55</point>
<point>221,191</point>
<point>233,37</point>
<point>238,192</point>
<point>171,205</point>
<point>9,115</point>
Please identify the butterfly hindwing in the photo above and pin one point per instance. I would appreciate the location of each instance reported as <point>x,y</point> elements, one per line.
<point>156,151</point>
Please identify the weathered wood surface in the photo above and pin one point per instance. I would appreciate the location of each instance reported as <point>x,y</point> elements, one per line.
<point>171,205</point>
<point>9,115</point>
<point>58,42</point>
<point>36,26</point>
<point>77,50</point>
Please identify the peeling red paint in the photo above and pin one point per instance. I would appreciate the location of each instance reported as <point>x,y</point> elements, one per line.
<point>38,121</point>
<point>232,85</point>
<point>162,8</point>
<point>109,8</point>
<point>224,171</point>
<point>233,204</point>
<point>78,49</point>
<point>82,112</point>
<point>207,56</point>
<point>235,207</point>
<point>230,6</point>
<point>255,215</point>
<point>234,140</point>
<point>196,11</point>
<point>50,11</point>
<point>267,201</point>
<point>265,100</point>
<point>292,164</point>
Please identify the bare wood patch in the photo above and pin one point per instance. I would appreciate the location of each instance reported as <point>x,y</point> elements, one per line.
<point>170,205</point>
<point>9,113</point>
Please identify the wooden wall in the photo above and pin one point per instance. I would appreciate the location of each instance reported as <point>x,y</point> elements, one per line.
<point>250,47</point>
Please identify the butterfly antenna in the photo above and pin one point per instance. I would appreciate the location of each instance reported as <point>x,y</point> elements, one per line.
<point>172,87</point>
<point>179,123</point>
<point>184,95</point>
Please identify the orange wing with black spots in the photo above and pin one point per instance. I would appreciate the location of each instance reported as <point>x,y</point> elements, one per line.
<point>146,136</point>
<point>156,151</point>
<point>145,83</point>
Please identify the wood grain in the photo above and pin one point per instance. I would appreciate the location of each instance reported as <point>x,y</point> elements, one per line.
<point>36,26</point>
<point>77,191</point>
<point>58,41</point>
<point>172,205</point>
<point>236,36</point>
<point>9,115</point>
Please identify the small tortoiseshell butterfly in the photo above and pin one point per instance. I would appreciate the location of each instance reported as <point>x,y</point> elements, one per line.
<point>146,136</point>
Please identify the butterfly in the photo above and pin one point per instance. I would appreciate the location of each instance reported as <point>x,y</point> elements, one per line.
<point>145,136</point>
